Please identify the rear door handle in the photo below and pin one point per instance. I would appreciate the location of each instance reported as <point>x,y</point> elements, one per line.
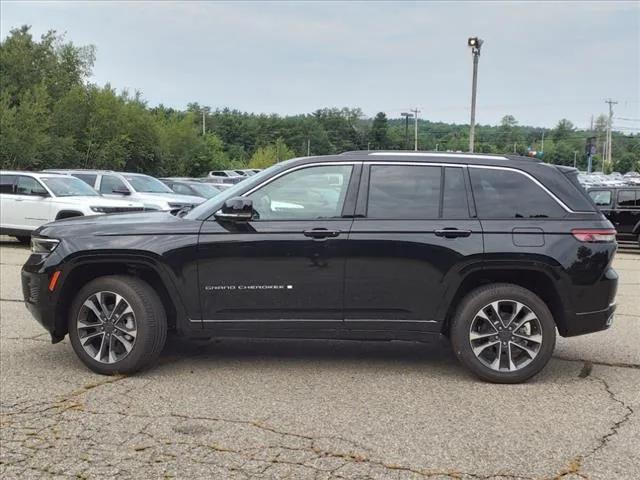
<point>321,233</point>
<point>452,233</point>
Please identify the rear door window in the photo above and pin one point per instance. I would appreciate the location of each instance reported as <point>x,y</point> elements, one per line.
<point>503,194</point>
<point>404,192</point>
<point>601,198</point>
<point>627,199</point>
<point>6,184</point>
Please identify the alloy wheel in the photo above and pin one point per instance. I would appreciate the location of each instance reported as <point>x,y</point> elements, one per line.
<point>107,327</point>
<point>505,335</point>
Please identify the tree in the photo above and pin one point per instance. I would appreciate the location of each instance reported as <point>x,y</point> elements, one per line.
<point>271,154</point>
<point>563,130</point>
<point>379,133</point>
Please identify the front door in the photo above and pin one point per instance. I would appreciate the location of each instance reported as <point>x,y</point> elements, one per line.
<point>412,236</point>
<point>284,269</point>
<point>32,203</point>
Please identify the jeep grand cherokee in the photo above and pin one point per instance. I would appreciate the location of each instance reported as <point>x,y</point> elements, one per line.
<point>496,253</point>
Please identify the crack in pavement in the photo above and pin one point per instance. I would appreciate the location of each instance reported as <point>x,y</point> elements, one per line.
<point>575,465</point>
<point>596,362</point>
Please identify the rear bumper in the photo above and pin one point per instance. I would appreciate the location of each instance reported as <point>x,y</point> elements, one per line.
<point>596,320</point>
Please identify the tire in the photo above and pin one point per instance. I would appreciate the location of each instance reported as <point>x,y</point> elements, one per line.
<point>516,364</point>
<point>23,239</point>
<point>143,329</point>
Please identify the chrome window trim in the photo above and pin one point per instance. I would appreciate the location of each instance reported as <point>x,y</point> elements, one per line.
<point>299,167</point>
<point>422,164</point>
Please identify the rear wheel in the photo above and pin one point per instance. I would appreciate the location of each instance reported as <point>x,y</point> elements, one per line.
<point>503,333</point>
<point>117,324</point>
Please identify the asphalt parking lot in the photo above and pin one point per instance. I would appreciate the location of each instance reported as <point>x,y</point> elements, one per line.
<point>317,409</point>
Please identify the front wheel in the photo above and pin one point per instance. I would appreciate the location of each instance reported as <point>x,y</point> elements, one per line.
<point>117,324</point>
<point>503,333</point>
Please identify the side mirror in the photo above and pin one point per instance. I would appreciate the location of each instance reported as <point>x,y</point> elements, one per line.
<point>121,191</point>
<point>236,209</point>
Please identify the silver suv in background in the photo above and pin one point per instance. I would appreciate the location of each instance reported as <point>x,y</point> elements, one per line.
<point>149,191</point>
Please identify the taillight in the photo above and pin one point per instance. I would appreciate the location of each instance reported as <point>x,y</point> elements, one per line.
<point>594,235</point>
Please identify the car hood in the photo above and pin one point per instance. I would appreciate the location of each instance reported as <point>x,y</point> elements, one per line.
<point>96,201</point>
<point>119,224</point>
<point>169,197</point>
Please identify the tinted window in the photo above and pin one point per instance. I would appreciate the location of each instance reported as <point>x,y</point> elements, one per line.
<point>147,184</point>
<point>109,183</point>
<point>6,183</point>
<point>305,194</point>
<point>88,178</point>
<point>29,186</point>
<point>404,191</point>
<point>508,194</point>
<point>454,200</point>
<point>602,198</point>
<point>627,199</point>
<point>179,188</point>
<point>69,187</point>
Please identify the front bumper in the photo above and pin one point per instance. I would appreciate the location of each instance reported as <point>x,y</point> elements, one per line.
<point>40,302</point>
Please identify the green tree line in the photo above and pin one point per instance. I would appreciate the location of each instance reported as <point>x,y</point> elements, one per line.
<point>52,116</point>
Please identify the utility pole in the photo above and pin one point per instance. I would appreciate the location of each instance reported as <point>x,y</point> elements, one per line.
<point>609,127</point>
<point>542,145</point>
<point>575,158</point>
<point>514,147</point>
<point>406,116</point>
<point>415,128</point>
<point>308,147</point>
<point>475,43</point>
<point>204,120</point>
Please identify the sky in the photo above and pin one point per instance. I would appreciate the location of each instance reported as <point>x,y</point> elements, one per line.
<point>540,62</point>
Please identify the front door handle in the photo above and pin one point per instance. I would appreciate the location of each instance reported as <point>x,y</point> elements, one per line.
<point>321,233</point>
<point>452,233</point>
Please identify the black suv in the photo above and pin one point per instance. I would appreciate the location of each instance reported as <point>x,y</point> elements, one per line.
<point>621,205</point>
<point>494,252</point>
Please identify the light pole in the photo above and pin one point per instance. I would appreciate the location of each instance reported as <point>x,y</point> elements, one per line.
<point>406,116</point>
<point>475,43</point>
<point>415,125</point>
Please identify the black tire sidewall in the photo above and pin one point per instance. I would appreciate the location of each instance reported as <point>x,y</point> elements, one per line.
<point>150,323</point>
<point>472,304</point>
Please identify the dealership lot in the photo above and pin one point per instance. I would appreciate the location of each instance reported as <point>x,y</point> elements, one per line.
<point>317,409</point>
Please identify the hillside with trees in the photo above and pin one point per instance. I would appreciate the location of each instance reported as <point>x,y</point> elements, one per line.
<point>52,116</point>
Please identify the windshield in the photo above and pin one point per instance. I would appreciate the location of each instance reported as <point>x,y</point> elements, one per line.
<point>69,187</point>
<point>205,190</point>
<point>146,184</point>
<point>234,191</point>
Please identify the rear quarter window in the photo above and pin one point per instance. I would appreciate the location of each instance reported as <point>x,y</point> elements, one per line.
<point>503,194</point>
<point>628,198</point>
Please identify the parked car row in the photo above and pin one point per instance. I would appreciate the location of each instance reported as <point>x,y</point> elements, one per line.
<point>621,205</point>
<point>31,199</point>
<point>611,179</point>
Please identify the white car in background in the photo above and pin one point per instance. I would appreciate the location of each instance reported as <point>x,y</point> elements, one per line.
<point>149,191</point>
<point>29,200</point>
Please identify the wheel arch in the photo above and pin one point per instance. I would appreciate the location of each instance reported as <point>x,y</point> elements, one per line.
<point>85,270</point>
<point>541,281</point>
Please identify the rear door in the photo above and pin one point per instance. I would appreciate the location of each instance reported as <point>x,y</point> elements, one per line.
<point>413,235</point>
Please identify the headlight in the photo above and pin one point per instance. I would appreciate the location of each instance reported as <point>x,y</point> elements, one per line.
<point>43,245</point>
<point>98,209</point>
